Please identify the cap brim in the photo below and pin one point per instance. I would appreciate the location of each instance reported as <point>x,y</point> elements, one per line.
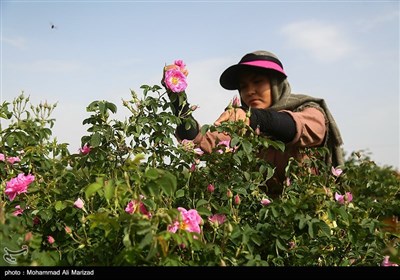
<point>229,78</point>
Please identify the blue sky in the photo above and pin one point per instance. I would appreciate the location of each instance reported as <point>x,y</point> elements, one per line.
<point>346,52</point>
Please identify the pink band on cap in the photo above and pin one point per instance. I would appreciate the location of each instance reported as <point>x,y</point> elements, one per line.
<point>265,64</point>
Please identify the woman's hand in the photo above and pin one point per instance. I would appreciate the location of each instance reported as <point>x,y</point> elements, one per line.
<point>233,114</point>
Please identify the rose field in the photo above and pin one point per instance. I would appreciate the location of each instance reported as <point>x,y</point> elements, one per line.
<point>134,196</point>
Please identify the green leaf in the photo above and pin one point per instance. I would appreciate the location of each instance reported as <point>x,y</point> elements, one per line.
<point>343,214</point>
<point>179,193</point>
<point>275,213</point>
<point>310,229</point>
<point>152,173</point>
<point>168,183</point>
<point>247,147</point>
<point>60,205</point>
<point>204,129</point>
<point>324,228</point>
<point>279,245</point>
<point>126,240</point>
<point>95,140</point>
<point>203,211</point>
<point>234,141</point>
<point>109,189</point>
<point>201,202</point>
<point>138,158</point>
<point>257,240</point>
<point>93,188</point>
<point>146,240</point>
<point>111,106</point>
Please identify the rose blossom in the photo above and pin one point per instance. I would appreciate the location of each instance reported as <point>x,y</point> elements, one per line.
<point>190,221</point>
<point>342,199</point>
<point>336,171</point>
<point>50,239</point>
<point>175,80</point>
<point>18,185</point>
<point>79,203</point>
<point>11,160</point>
<point>265,201</point>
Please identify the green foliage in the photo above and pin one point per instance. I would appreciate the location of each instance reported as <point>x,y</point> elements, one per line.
<point>139,159</point>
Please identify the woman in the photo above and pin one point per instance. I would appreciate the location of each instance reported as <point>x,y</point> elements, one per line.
<point>300,121</point>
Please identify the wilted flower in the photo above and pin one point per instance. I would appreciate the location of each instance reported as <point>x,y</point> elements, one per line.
<point>18,185</point>
<point>85,149</point>
<point>327,191</point>
<point>188,145</point>
<point>135,206</point>
<point>19,211</point>
<point>217,219</point>
<point>131,207</point>
<point>28,236</point>
<point>36,220</point>
<point>194,108</point>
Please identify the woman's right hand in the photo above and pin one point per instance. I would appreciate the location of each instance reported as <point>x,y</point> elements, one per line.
<point>233,114</point>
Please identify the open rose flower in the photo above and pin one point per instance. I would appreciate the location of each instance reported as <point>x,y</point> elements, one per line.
<point>336,171</point>
<point>175,80</point>
<point>343,199</point>
<point>18,185</point>
<point>11,160</point>
<point>190,221</point>
<point>175,76</point>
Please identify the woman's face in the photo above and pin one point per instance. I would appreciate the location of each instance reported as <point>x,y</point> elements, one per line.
<point>255,89</point>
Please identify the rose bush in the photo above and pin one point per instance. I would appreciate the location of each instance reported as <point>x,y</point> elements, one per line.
<point>134,196</point>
